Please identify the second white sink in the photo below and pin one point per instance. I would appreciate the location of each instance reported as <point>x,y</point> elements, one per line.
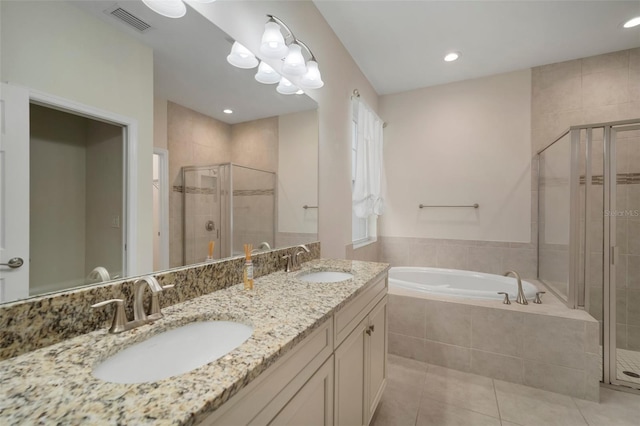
<point>173,352</point>
<point>325,276</point>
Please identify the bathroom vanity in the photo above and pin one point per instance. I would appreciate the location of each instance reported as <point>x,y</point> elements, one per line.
<point>317,355</point>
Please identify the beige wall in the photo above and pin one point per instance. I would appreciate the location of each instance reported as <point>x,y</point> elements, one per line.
<point>160,123</point>
<point>460,143</point>
<point>57,199</point>
<point>104,235</point>
<point>255,144</point>
<point>107,70</point>
<point>298,172</point>
<point>244,21</point>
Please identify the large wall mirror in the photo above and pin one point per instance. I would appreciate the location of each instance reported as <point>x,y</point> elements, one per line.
<point>165,132</point>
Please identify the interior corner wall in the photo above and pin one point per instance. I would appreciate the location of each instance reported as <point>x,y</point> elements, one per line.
<point>108,70</point>
<point>57,218</point>
<point>459,144</point>
<point>297,181</point>
<point>244,21</point>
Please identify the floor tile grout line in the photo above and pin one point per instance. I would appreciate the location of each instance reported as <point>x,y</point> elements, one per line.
<point>423,396</point>
<point>495,393</point>
<point>580,411</point>
<point>424,384</point>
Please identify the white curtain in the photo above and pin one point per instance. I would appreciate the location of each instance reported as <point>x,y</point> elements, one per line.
<point>367,197</point>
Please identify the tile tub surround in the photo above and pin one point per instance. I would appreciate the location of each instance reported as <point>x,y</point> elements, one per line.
<point>42,321</point>
<point>55,385</point>
<point>492,257</point>
<point>545,346</point>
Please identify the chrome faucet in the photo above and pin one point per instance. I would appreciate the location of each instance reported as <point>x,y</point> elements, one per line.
<point>138,300</point>
<point>263,246</point>
<point>140,317</point>
<point>293,263</point>
<point>521,299</point>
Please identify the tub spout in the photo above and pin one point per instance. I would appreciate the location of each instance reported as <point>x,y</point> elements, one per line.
<point>521,299</point>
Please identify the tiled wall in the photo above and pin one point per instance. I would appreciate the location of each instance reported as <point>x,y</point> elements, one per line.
<point>593,90</point>
<point>543,351</point>
<point>481,256</point>
<point>42,321</point>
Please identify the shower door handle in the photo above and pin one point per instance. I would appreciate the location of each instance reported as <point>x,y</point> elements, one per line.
<point>614,255</point>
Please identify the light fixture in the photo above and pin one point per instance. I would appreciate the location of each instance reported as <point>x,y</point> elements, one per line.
<point>286,87</point>
<point>241,57</point>
<point>450,57</point>
<point>294,62</point>
<point>278,42</point>
<point>266,74</point>
<point>633,22</point>
<point>228,111</point>
<point>168,8</point>
<point>272,45</point>
<point>300,92</point>
<point>312,79</point>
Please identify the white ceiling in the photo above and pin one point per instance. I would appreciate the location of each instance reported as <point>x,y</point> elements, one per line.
<point>190,66</point>
<point>400,45</point>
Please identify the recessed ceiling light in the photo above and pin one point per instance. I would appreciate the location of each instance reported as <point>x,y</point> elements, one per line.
<point>451,56</point>
<point>228,111</point>
<point>300,92</point>
<point>633,22</point>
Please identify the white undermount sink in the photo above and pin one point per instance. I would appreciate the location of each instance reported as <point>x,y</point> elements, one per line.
<point>173,352</point>
<point>325,276</point>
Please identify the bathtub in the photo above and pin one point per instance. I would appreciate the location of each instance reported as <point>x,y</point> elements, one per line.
<point>456,283</point>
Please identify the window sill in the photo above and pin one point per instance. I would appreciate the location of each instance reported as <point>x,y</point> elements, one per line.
<point>361,243</point>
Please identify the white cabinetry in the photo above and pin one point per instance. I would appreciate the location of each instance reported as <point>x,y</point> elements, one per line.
<point>336,375</point>
<point>361,368</point>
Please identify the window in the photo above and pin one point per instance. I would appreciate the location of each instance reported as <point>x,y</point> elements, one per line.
<point>365,184</point>
<point>359,226</point>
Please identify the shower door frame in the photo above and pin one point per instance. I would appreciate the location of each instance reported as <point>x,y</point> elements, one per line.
<point>611,255</point>
<point>579,297</point>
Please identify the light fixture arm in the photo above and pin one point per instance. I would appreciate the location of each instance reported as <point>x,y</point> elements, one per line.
<point>290,35</point>
<point>283,25</point>
<point>313,57</point>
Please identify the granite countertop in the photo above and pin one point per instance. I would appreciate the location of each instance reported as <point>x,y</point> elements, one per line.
<point>54,385</point>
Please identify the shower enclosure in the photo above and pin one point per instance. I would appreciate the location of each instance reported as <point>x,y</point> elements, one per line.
<point>228,204</point>
<point>589,235</point>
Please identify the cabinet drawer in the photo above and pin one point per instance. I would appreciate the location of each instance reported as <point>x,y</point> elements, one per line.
<point>261,400</point>
<point>347,318</point>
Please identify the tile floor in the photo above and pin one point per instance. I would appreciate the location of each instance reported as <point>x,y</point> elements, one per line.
<point>421,394</point>
<point>628,361</point>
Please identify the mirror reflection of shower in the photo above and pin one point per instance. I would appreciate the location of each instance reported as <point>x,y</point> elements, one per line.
<point>229,205</point>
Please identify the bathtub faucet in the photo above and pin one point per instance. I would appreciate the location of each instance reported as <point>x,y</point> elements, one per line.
<point>521,299</point>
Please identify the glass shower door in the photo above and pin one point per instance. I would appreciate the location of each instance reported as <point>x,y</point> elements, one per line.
<point>624,256</point>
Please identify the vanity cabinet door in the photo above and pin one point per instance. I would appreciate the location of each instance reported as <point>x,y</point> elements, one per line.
<point>377,356</point>
<point>350,375</point>
<point>313,404</point>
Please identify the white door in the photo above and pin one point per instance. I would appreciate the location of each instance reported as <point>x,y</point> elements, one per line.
<point>14,193</point>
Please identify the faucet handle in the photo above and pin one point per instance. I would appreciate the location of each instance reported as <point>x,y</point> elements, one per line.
<point>288,257</point>
<point>119,319</point>
<point>506,300</point>
<point>537,299</point>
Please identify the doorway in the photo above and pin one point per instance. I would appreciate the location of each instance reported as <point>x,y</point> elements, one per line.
<point>81,215</point>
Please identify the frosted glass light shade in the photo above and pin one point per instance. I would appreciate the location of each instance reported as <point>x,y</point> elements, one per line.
<point>312,79</point>
<point>168,8</point>
<point>272,45</point>
<point>286,87</point>
<point>266,74</point>
<point>241,57</point>
<point>294,62</point>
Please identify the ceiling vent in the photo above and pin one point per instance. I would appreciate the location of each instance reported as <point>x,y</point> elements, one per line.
<point>128,18</point>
